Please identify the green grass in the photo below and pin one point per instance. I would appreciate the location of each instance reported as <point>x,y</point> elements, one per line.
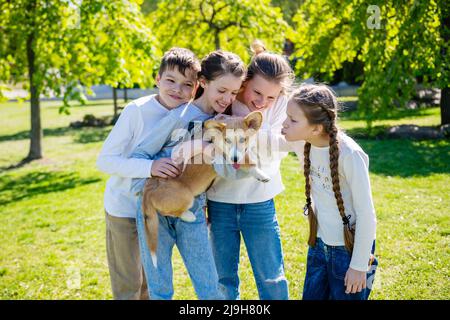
<point>52,231</point>
<point>355,125</point>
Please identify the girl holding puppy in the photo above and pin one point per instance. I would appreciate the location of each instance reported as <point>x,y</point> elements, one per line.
<point>246,206</point>
<point>220,78</point>
<point>339,206</point>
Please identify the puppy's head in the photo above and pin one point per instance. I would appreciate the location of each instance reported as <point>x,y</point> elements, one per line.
<point>231,136</point>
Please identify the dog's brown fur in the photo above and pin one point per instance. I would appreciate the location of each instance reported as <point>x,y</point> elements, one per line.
<point>174,196</point>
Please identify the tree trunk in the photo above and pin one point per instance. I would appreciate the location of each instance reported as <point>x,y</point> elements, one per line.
<point>115,101</point>
<point>445,92</point>
<point>217,39</point>
<point>36,128</point>
<point>445,106</point>
<point>125,94</point>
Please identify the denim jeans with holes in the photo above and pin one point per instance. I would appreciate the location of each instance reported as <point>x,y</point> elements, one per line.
<point>325,273</point>
<point>257,222</point>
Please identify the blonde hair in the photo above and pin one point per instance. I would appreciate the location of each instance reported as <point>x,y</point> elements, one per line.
<point>320,106</point>
<point>271,66</point>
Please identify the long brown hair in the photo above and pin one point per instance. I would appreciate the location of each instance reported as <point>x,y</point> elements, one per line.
<point>320,106</point>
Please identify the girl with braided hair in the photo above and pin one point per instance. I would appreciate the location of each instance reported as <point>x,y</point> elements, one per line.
<point>339,206</point>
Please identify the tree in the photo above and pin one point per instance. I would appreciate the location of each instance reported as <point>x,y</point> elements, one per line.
<point>397,42</point>
<point>288,7</point>
<point>58,46</point>
<point>206,25</point>
<point>445,54</point>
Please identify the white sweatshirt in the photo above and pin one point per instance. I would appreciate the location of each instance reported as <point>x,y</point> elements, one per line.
<point>356,192</point>
<point>250,190</point>
<point>134,124</point>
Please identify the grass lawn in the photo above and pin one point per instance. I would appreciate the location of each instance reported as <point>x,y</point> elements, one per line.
<point>52,231</point>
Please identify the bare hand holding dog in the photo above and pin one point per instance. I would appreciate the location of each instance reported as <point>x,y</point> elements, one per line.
<point>183,153</point>
<point>165,168</point>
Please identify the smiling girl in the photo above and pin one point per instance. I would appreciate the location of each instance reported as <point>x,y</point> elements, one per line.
<point>246,206</point>
<point>220,78</point>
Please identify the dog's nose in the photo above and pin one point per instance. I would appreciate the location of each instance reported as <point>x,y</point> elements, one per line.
<point>235,159</point>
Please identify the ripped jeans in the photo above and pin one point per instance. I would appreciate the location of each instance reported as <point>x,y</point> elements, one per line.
<point>257,222</point>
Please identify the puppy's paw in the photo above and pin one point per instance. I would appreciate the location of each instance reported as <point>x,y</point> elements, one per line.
<point>263,179</point>
<point>187,216</point>
<point>261,176</point>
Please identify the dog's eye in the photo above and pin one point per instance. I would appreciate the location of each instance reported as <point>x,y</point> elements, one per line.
<point>241,140</point>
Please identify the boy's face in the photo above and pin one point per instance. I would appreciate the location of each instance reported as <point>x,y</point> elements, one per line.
<point>176,88</point>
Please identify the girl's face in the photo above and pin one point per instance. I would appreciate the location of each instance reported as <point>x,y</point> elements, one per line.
<point>259,93</point>
<point>221,92</point>
<point>296,126</point>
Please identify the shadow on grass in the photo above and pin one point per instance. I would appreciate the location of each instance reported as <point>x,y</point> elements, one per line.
<point>14,188</point>
<point>90,135</point>
<point>407,158</point>
<point>83,135</point>
<point>90,103</point>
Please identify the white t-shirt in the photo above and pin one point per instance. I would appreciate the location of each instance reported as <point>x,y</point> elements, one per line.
<point>250,190</point>
<point>134,124</point>
<point>356,192</point>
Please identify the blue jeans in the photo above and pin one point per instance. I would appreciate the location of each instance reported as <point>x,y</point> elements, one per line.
<point>325,272</point>
<point>192,241</point>
<point>259,227</point>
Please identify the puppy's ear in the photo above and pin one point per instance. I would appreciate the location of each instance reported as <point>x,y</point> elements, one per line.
<point>213,124</point>
<point>253,120</point>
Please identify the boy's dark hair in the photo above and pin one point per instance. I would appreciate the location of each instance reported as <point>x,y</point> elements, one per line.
<point>180,58</point>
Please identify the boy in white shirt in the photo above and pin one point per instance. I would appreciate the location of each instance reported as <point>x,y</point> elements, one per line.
<point>177,82</point>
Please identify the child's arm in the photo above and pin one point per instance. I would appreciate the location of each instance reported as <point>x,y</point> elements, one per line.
<point>184,152</point>
<point>356,171</point>
<point>159,136</point>
<point>112,158</point>
<point>151,145</point>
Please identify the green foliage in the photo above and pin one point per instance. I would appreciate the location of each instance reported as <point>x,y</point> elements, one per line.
<point>52,227</point>
<point>206,25</point>
<point>405,45</point>
<point>75,42</point>
<point>288,7</point>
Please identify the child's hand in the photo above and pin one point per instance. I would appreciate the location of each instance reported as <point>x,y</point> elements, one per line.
<point>183,153</point>
<point>355,281</point>
<point>208,152</point>
<point>165,168</point>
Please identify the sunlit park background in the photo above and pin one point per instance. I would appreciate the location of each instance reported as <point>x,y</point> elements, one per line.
<point>68,67</point>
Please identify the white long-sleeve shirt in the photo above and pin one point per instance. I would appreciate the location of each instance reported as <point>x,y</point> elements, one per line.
<point>250,190</point>
<point>356,192</point>
<point>134,124</point>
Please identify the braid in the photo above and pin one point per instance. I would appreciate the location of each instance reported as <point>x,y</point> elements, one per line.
<point>320,106</point>
<point>334,166</point>
<point>308,210</point>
